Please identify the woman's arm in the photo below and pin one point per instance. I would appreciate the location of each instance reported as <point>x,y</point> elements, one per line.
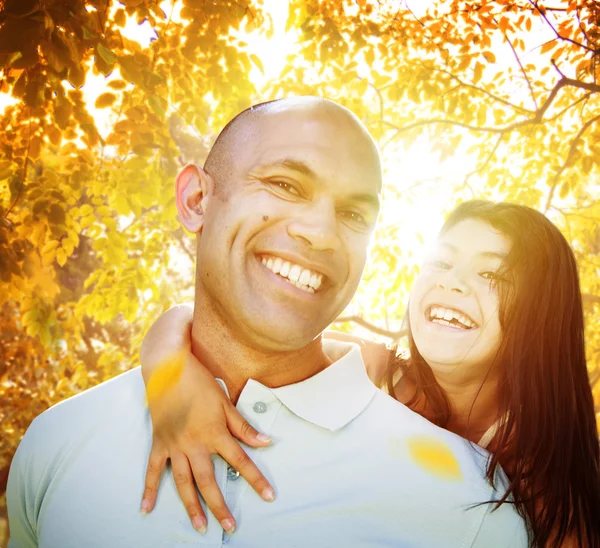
<point>374,354</point>
<point>192,418</point>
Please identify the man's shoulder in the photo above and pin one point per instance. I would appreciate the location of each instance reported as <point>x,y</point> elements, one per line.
<point>422,438</point>
<point>103,403</point>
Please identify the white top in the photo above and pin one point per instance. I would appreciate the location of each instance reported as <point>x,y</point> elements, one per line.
<point>350,466</point>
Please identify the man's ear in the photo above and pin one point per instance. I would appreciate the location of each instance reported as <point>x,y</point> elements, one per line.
<point>193,189</point>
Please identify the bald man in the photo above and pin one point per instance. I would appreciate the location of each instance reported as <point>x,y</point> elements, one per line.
<point>283,209</point>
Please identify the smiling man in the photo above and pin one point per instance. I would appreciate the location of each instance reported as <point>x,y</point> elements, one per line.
<point>284,209</point>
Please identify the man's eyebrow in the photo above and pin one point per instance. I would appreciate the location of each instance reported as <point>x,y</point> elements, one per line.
<point>294,165</point>
<point>365,198</point>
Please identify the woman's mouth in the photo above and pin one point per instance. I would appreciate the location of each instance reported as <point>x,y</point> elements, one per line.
<point>450,317</point>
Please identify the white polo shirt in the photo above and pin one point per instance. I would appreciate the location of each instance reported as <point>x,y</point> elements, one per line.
<point>351,467</point>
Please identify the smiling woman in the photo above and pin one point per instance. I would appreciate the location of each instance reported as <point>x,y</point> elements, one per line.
<point>517,378</point>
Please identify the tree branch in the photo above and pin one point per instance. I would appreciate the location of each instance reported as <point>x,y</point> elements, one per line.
<point>486,161</point>
<point>568,160</point>
<point>536,119</point>
<point>523,71</point>
<point>394,335</point>
<point>558,35</point>
<point>22,185</point>
<point>474,87</point>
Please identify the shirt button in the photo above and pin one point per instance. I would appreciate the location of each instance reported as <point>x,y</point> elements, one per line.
<point>232,473</point>
<point>260,407</point>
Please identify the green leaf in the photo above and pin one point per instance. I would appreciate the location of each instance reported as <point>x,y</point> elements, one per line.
<point>158,105</point>
<point>106,54</point>
<point>88,34</point>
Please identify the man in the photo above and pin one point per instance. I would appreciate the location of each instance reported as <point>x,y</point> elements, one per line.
<point>284,210</point>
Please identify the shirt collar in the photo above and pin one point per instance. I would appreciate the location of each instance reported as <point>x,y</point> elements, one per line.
<point>336,395</point>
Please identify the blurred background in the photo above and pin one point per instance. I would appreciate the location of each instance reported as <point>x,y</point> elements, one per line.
<point>103,101</point>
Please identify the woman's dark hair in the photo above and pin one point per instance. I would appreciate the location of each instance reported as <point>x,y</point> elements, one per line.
<point>549,441</point>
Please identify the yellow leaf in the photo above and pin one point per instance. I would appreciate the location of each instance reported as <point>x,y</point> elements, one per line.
<point>85,210</point>
<point>61,257</point>
<point>50,246</point>
<point>255,59</point>
<point>73,237</point>
<point>29,317</point>
<point>478,72</point>
<point>548,46</point>
<point>87,221</point>
<point>68,246</point>
<point>489,56</point>
<point>105,100</point>
<point>117,84</point>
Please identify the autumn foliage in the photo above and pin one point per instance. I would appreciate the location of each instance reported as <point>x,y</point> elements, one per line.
<point>90,248</point>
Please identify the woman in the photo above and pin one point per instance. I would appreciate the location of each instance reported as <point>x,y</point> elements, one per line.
<point>496,355</point>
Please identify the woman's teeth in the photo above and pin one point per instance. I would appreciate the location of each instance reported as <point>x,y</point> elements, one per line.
<point>450,317</point>
<point>302,278</point>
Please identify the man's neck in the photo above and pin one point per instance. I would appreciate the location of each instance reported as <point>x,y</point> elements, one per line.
<point>235,362</point>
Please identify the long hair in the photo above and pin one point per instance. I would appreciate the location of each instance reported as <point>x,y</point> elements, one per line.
<point>549,441</point>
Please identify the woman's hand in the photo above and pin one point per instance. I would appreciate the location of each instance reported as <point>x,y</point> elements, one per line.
<point>375,355</point>
<point>192,419</point>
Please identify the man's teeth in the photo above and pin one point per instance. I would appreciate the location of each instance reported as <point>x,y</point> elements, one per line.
<point>296,275</point>
<point>445,316</point>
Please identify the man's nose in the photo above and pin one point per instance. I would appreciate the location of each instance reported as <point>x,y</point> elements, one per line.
<point>454,281</point>
<point>317,226</point>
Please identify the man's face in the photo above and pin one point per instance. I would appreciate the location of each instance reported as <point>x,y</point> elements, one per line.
<point>454,303</point>
<point>281,254</point>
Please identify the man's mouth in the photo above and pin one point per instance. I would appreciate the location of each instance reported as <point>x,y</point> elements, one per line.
<point>450,317</point>
<point>301,277</point>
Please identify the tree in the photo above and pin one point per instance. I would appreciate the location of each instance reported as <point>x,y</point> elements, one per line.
<point>90,250</point>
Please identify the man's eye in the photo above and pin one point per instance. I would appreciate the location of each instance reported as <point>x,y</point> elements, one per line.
<point>354,217</point>
<point>285,186</point>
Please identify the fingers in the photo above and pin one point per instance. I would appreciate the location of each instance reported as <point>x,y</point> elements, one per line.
<point>243,431</point>
<point>204,475</point>
<point>238,459</point>
<point>156,463</point>
<point>186,487</point>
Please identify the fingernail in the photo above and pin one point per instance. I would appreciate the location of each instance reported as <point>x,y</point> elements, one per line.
<point>199,524</point>
<point>268,494</point>
<point>228,525</point>
<point>145,506</point>
<point>263,438</point>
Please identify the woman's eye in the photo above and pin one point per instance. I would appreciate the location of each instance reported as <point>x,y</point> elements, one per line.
<point>442,264</point>
<point>488,275</point>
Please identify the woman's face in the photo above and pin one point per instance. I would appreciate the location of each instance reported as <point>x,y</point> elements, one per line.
<point>454,306</point>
